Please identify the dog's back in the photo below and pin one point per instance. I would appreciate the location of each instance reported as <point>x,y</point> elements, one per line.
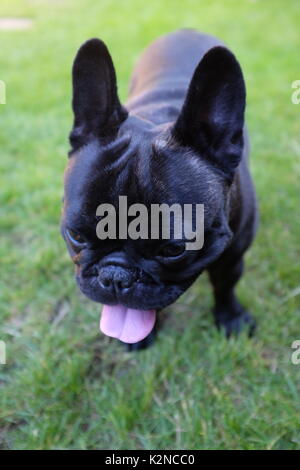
<point>164,71</point>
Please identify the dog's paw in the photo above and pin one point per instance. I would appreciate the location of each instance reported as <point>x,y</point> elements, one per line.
<point>140,345</point>
<point>234,325</point>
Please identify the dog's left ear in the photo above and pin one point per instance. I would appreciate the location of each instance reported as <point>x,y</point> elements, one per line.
<point>96,106</point>
<point>212,117</point>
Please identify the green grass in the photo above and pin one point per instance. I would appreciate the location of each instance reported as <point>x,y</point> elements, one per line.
<point>67,386</point>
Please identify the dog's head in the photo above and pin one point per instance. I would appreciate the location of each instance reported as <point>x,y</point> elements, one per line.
<point>114,153</point>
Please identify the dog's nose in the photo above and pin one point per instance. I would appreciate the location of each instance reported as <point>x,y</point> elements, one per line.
<point>115,278</point>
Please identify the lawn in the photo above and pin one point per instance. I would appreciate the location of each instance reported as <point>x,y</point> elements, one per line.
<point>65,386</point>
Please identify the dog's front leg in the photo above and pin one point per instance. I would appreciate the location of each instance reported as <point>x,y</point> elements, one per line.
<point>229,314</point>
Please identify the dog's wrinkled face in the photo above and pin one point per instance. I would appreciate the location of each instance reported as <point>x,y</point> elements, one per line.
<point>115,153</point>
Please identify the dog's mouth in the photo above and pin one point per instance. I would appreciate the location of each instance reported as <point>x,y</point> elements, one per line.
<point>127,324</point>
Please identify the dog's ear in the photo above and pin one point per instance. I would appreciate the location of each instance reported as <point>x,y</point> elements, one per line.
<point>96,106</point>
<point>212,117</point>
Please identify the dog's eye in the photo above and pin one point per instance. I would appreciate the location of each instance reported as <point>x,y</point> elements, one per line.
<point>75,238</point>
<point>171,250</point>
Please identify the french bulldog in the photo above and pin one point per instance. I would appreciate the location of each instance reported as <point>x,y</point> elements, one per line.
<point>180,138</point>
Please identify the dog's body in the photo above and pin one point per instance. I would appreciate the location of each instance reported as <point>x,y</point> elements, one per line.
<point>179,139</point>
<point>163,73</point>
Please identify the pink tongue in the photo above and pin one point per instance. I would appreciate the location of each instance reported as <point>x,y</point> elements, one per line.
<point>127,324</point>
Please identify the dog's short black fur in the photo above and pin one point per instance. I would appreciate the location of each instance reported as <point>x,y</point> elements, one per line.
<point>180,138</point>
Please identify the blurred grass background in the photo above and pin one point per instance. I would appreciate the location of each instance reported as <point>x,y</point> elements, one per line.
<point>65,385</point>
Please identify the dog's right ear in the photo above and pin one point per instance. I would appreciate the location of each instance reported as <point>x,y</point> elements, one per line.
<point>96,106</point>
<point>212,118</point>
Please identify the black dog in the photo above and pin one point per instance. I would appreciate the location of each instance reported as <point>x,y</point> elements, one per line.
<point>179,139</point>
